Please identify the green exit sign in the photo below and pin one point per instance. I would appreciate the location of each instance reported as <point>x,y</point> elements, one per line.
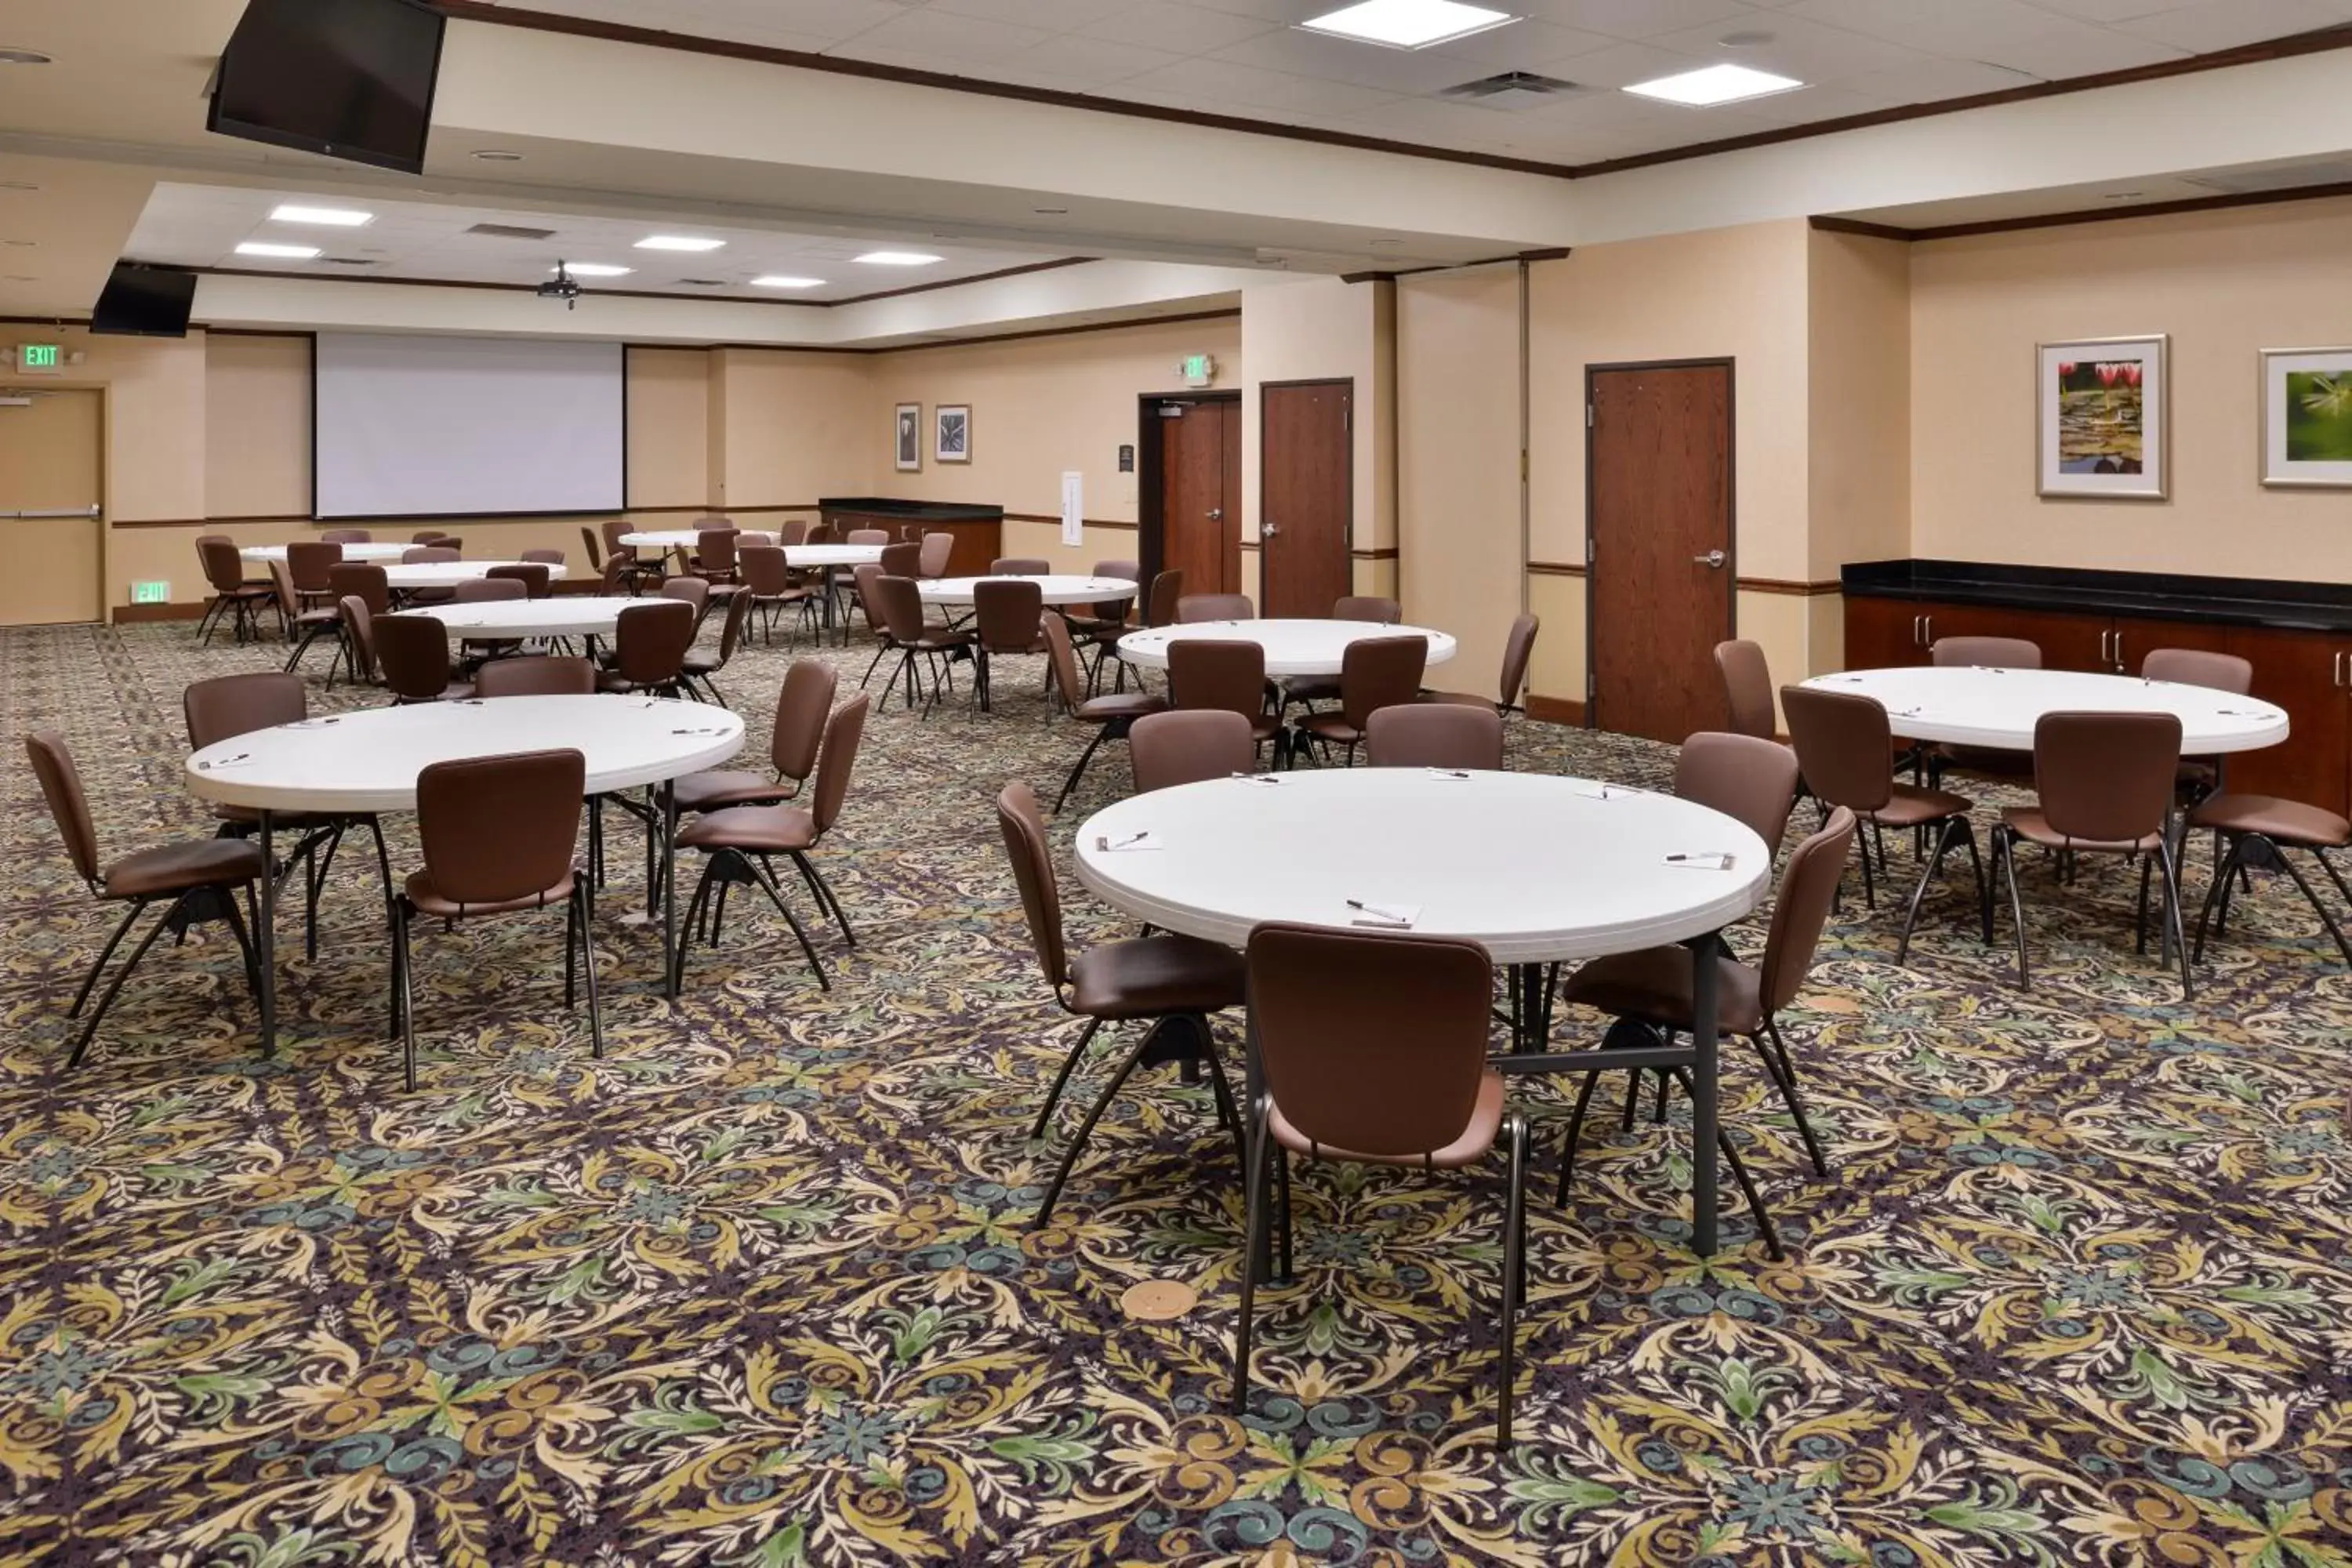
<point>150,592</point>
<point>1200,370</point>
<point>39,356</point>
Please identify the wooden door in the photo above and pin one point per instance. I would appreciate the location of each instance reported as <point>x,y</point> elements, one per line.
<point>1201,492</point>
<point>51,460</point>
<point>1658,503</point>
<point>2304,673</point>
<point>2135,638</point>
<point>1882,634</point>
<point>1306,497</point>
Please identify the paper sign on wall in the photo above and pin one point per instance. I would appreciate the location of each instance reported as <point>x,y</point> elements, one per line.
<point>1074,509</point>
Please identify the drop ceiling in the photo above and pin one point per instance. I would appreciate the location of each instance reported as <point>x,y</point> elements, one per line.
<point>1248,58</point>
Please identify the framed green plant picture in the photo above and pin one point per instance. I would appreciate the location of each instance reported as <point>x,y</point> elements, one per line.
<point>2307,417</point>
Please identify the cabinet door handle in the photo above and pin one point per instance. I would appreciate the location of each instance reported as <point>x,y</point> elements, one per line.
<point>2119,648</point>
<point>1929,640</point>
<point>2336,678</point>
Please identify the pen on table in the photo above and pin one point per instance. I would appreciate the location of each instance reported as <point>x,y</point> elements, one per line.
<point>1363,908</point>
<point>224,761</point>
<point>1103,842</point>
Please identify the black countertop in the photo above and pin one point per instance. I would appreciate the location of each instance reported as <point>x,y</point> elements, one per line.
<point>2157,595</point>
<point>914,510</point>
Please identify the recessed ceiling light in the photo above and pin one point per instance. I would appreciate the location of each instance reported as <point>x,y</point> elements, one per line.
<point>9,57</point>
<point>777,280</point>
<point>899,258</point>
<point>492,155</point>
<point>280,252</point>
<point>1408,24</point>
<point>331,217</point>
<point>1711,85</point>
<point>595,269</point>
<point>678,242</point>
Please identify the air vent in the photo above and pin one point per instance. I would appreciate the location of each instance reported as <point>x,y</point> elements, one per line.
<point>2257,182</point>
<point>510,231</point>
<point>1511,89</point>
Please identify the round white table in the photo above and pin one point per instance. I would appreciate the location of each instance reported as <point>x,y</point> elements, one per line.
<point>380,552</point>
<point>559,616</point>
<point>365,763</point>
<point>1997,708</point>
<point>800,556</point>
<point>1293,649</point>
<point>1536,869</point>
<point>449,574</point>
<point>964,590</point>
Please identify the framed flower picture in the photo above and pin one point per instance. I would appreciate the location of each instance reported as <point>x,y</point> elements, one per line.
<point>2102,414</point>
<point>2307,417</point>
<point>908,440</point>
<point>951,440</point>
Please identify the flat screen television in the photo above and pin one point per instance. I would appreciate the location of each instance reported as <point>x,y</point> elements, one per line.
<point>144,303</point>
<point>351,79</point>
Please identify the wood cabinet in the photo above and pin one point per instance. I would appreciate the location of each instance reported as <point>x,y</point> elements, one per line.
<point>1882,634</point>
<point>979,541</point>
<point>2309,674</point>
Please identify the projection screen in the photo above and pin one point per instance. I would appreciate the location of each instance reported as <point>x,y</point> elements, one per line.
<point>443,426</point>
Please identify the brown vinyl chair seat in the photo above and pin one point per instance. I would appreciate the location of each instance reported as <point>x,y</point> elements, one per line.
<point>1911,805</point>
<point>2029,824</point>
<point>753,829</point>
<point>1485,1125</point>
<point>429,901</point>
<point>2280,821</point>
<point>1653,985</point>
<point>177,867</point>
<point>1151,976</point>
<point>722,787</point>
<point>1118,705</point>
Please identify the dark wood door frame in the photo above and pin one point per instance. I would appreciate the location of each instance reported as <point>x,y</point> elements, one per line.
<point>1347,538</point>
<point>1150,473</point>
<point>1730,368</point>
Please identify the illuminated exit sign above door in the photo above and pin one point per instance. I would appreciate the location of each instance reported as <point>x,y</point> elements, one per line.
<point>40,359</point>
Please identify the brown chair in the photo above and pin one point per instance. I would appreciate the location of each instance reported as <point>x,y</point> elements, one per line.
<point>933,556</point>
<point>596,551</point>
<point>359,641</point>
<point>412,651</point>
<point>1019,567</point>
<point>1844,749</point>
<point>692,591</point>
<point>428,555</point>
<point>363,580</point>
<point>1517,649</point>
<point>452,542</point>
<point>542,557</point>
<point>1747,688</point>
<point>2265,822</point>
<point>1441,735</point>
<point>1097,628</point>
<point>497,835</point>
<point>1008,616</point>
<point>227,706</point>
<point>795,531</point>
<point>536,580</point>
<point>489,588</point>
<point>1371,607</point>
<point>424,536</point>
<point>1114,716</point>
<point>198,880</point>
<point>701,669</point>
<point>900,604</point>
<point>737,843</point>
<point>1158,980</point>
<point>1159,604</point>
<point>634,572</point>
<point>901,560</point>
<point>1214,672</point>
<point>1190,746</point>
<point>2105,785</point>
<point>1373,1048</point>
<point>345,536</point>
<point>2199,777</point>
<point>1374,673</point>
<point>1653,987</point>
<point>234,598</point>
<point>537,675</point>
<point>714,562</point>
<point>862,579</point>
<point>868,536</point>
<point>303,626</point>
<point>1752,782</point>
<point>1980,652</point>
<point>1194,608</point>
<point>803,703</point>
<point>308,562</point>
<point>649,645</point>
<point>769,585</point>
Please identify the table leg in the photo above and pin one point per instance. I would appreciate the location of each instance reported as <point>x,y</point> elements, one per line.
<point>666,815</point>
<point>265,937</point>
<point>1704,1119</point>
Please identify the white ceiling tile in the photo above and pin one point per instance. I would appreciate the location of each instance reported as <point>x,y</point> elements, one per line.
<point>1225,82</point>
<point>1053,15</point>
<point>1936,79</point>
<point>2063,49</point>
<point>1312,55</point>
<point>1963,29</point>
<point>970,39</point>
<point>1805,50</point>
<point>2104,12</point>
<point>2206,29</point>
<point>1528,44</point>
<point>1635,18</point>
<point>1096,60</point>
<point>1621,65</point>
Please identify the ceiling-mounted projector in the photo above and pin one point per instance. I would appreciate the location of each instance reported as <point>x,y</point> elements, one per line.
<point>562,286</point>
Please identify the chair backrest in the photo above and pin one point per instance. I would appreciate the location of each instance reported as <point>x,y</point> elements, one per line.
<point>615,575</point>
<point>543,556</point>
<point>536,580</point>
<point>1518,649</point>
<point>427,535</point>
<point>281,583</point>
<point>2195,667</point>
<point>843,733</point>
<point>1194,608</point>
<point>1032,868</point>
<point>495,829</point>
<point>795,531</point>
<point>1204,672</point>
<point>1062,662</point>
<point>345,536</point>
<point>714,549</point>
<point>428,555</point>
<point>228,706</point>
<point>765,574</point>
<point>1128,571</point>
<point>717,521</point>
<point>691,591</point>
<point>2105,777</point>
<point>1167,593</point>
<point>412,652</point>
<point>360,580</point>
<point>224,567</point>
<point>1434,735</point>
<point>611,529</point>
<point>650,640</point>
<point>53,765</point>
<point>1752,781</point>
<point>1808,888</point>
<point>869,604</point>
<point>489,588</point>
<point>900,602</point>
<point>1007,613</point>
<point>359,627</point>
<point>866,536</point>
<point>450,541</point>
<point>1843,744</point>
<point>1987,653</point>
<point>1188,745</point>
<point>536,675</point>
<point>933,554</point>
<point>1373,1042</point>
<point>802,701</point>
<point>1378,672</point>
<point>1019,566</point>
<point>902,560</point>
<point>1367,607</point>
<point>1747,688</point>
<point>588,542</point>
<point>310,560</point>
<point>731,630</point>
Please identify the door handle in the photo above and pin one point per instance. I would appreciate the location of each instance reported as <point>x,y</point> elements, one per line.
<point>1713,559</point>
<point>1216,514</point>
<point>1267,530</point>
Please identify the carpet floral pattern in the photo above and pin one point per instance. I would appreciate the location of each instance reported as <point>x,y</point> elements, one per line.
<point>758,1286</point>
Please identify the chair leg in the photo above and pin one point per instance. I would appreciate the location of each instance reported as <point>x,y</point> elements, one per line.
<point>586,920</point>
<point>114,987</point>
<point>1928,875</point>
<point>1253,1217</point>
<point>2006,853</point>
<point>244,934</point>
<point>2165,864</point>
<point>1062,1079</point>
<point>1085,1131</point>
<point>403,966</point>
<point>1739,1173</point>
<point>90,980</point>
<point>2329,866</point>
<point>826,896</point>
<point>1079,772</point>
<point>1575,1128</point>
<point>2311,895</point>
<point>1515,1213</point>
<point>1783,1074</point>
<point>767,880</point>
<point>2222,869</point>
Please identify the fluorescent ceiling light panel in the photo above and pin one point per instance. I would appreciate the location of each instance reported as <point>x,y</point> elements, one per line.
<point>678,242</point>
<point>899,258</point>
<point>1711,85</point>
<point>1408,24</point>
<point>775,281</point>
<point>329,217</point>
<point>593,269</point>
<point>280,252</point>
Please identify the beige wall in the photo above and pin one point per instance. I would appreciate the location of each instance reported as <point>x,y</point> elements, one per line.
<point>669,426</point>
<point>2224,285</point>
<point>789,427</point>
<point>256,426</point>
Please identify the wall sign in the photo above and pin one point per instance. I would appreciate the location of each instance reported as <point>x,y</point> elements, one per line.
<point>40,359</point>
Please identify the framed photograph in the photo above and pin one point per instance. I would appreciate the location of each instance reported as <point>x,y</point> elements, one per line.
<point>2307,417</point>
<point>2102,410</point>
<point>909,440</point>
<point>951,441</point>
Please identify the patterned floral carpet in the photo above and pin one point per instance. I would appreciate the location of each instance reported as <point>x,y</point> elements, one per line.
<point>757,1288</point>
